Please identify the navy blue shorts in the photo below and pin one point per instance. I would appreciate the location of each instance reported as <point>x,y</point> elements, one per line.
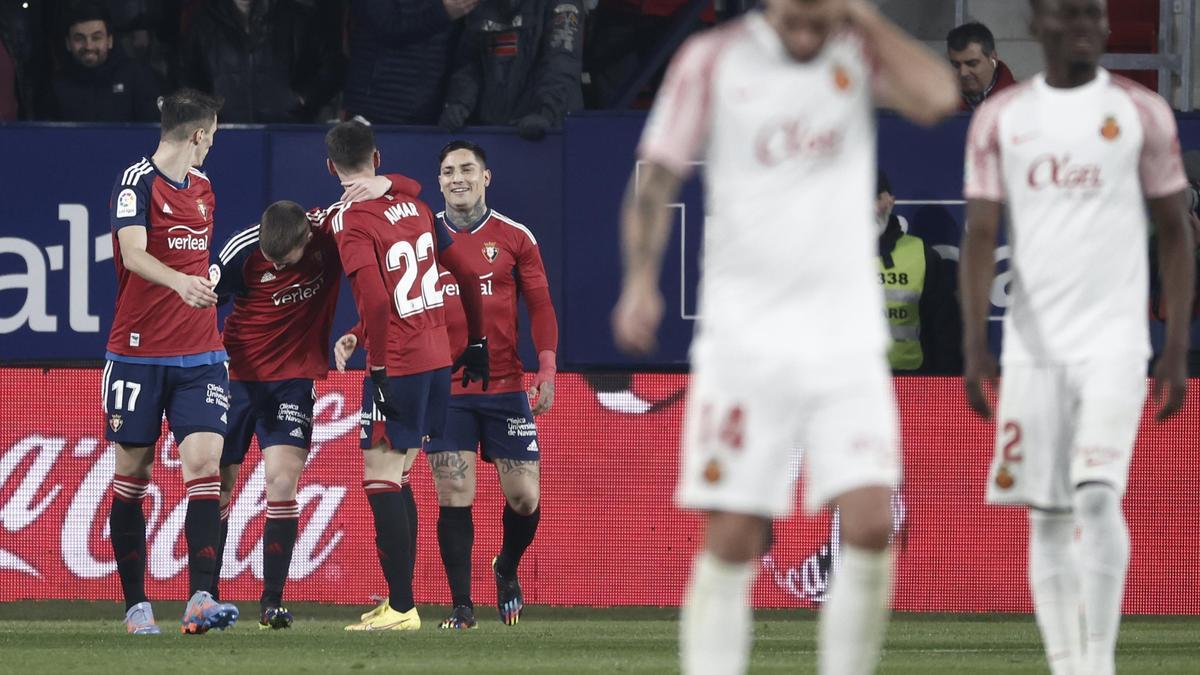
<point>278,413</point>
<point>136,396</point>
<point>501,425</point>
<point>421,399</point>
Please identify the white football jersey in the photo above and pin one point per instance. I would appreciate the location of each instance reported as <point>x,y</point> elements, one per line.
<point>788,153</point>
<point>1075,167</point>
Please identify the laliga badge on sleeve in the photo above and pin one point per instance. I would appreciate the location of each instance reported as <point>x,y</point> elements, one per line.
<point>214,273</point>
<point>127,203</point>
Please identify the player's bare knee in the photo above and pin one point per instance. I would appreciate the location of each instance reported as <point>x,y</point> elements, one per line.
<point>134,462</point>
<point>281,486</point>
<point>1096,500</point>
<point>735,537</point>
<point>454,491</point>
<point>867,531</point>
<point>524,504</point>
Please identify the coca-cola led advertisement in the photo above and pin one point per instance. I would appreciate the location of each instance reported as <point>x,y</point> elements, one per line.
<point>609,534</point>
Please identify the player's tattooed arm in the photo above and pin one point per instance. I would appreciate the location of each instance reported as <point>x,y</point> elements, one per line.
<point>514,467</point>
<point>448,466</point>
<point>645,228</point>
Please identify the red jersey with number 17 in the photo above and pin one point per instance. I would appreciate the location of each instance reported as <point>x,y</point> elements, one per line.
<point>395,234</point>
<point>152,321</point>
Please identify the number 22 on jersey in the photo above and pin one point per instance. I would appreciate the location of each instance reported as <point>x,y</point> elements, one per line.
<point>403,255</point>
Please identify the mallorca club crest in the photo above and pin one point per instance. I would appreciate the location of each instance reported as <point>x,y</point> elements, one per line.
<point>115,422</point>
<point>491,251</point>
<point>1111,129</point>
<point>841,78</point>
<point>201,208</point>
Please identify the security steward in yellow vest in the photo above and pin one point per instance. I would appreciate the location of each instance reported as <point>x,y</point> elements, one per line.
<point>919,300</point>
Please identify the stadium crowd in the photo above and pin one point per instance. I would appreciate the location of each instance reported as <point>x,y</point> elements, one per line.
<point>519,63</point>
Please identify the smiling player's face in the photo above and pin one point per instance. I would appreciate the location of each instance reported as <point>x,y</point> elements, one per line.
<point>463,180</point>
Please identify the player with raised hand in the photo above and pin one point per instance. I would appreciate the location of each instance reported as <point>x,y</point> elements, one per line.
<point>1076,153</point>
<point>792,344</point>
<point>390,248</point>
<point>165,357</point>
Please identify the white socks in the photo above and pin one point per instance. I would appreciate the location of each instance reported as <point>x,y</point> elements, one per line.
<point>716,623</point>
<point>1054,583</point>
<point>854,617</point>
<point>1104,554</point>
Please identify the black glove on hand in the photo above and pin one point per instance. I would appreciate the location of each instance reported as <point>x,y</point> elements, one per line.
<point>454,117</point>
<point>381,395</point>
<point>474,362</point>
<point>533,127</point>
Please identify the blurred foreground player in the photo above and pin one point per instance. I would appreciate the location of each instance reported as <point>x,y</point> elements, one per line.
<point>780,106</point>
<point>165,356</point>
<point>390,249</point>
<point>283,275</point>
<point>1077,154</point>
<point>499,422</point>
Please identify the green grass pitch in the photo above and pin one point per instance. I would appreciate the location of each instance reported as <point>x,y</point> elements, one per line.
<point>78,637</point>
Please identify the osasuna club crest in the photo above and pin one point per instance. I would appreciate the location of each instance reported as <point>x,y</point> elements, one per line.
<point>490,251</point>
<point>115,422</point>
<point>201,208</point>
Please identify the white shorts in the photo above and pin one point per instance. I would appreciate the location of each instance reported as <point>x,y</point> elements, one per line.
<point>744,417</point>
<point>1059,426</point>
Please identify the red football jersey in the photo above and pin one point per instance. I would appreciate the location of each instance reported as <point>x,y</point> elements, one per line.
<point>505,255</point>
<point>395,234</point>
<point>152,321</point>
<point>282,318</point>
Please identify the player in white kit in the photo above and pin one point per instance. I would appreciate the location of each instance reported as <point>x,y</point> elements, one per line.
<point>1076,153</point>
<point>779,106</point>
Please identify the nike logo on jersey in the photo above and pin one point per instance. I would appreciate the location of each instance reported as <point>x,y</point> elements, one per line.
<point>1024,138</point>
<point>267,276</point>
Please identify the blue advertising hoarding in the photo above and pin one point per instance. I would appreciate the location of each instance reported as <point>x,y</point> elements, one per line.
<point>56,273</point>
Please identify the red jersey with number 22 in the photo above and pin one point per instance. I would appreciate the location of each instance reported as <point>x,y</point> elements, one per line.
<point>395,234</point>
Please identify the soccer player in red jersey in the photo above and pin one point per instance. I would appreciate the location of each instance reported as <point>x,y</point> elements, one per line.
<point>283,275</point>
<point>504,255</point>
<point>165,356</point>
<point>390,249</point>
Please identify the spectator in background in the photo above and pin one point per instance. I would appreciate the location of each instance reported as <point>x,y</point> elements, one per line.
<point>981,73</point>
<point>271,60</point>
<point>400,53</point>
<point>922,312</point>
<point>623,37</point>
<point>519,64</point>
<point>17,33</point>
<point>98,83</point>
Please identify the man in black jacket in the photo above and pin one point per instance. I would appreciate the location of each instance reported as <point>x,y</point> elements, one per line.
<point>99,84</point>
<point>400,52</point>
<point>271,60</point>
<point>518,64</point>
